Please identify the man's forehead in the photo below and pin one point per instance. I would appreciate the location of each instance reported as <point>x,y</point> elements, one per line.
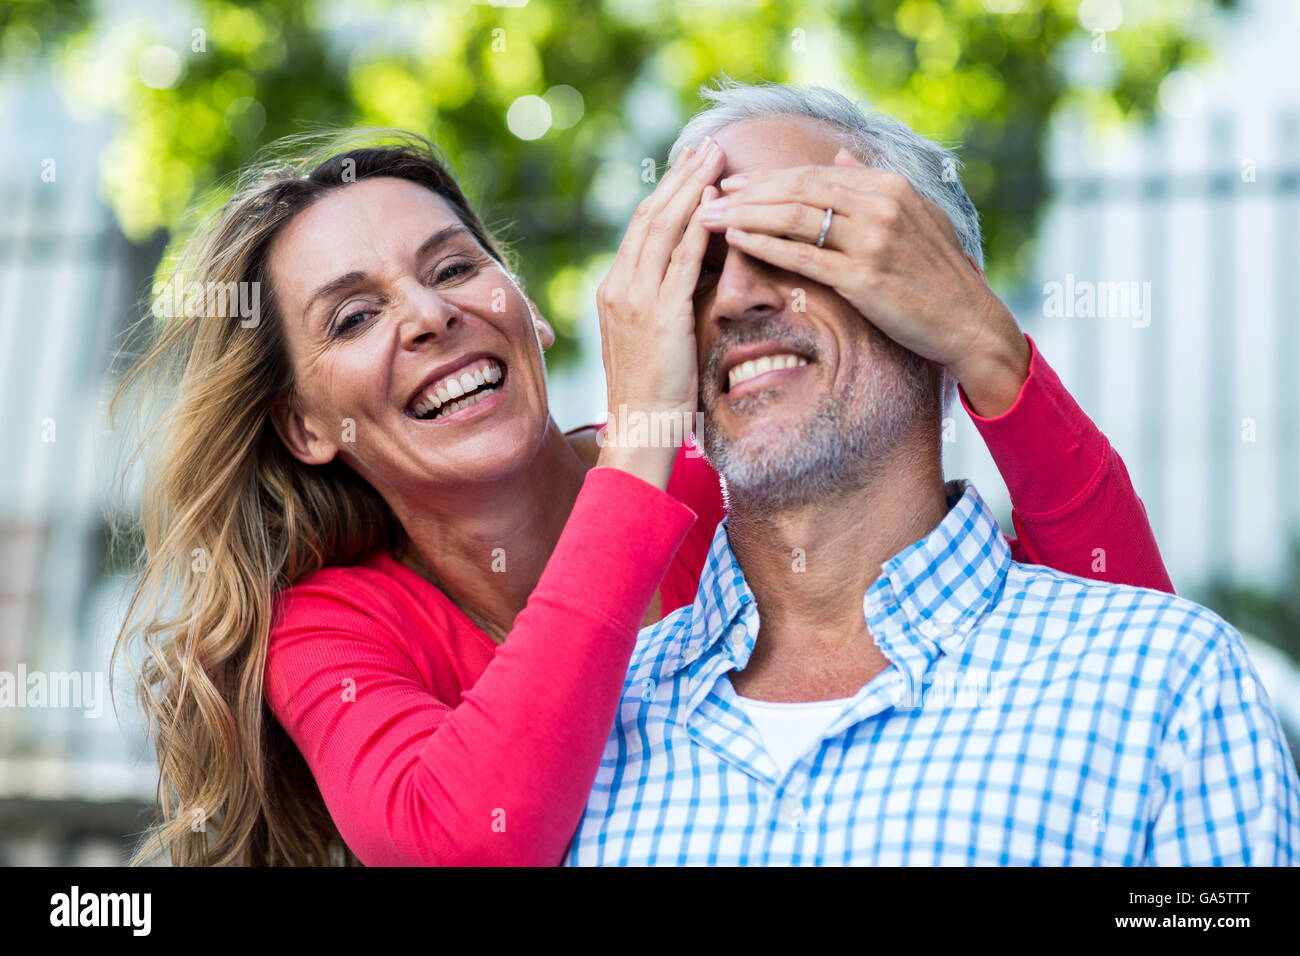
<point>778,142</point>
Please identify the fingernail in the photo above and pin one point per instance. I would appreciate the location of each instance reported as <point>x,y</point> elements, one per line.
<point>734,182</point>
<point>713,211</point>
<point>705,144</point>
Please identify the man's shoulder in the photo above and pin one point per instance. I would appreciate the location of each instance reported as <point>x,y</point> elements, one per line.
<point>1105,617</point>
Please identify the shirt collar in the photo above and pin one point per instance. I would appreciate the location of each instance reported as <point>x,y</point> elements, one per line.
<point>928,596</point>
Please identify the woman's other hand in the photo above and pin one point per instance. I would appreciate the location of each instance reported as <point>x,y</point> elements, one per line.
<point>647,321</point>
<point>890,252</point>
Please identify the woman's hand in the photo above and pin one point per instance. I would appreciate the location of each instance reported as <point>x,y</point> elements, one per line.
<point>647,321</point>
<point>893,255</point>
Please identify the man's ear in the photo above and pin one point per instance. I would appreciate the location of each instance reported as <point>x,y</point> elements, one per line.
<point>544,331</point>
<point>976,265</point>
<point>299,436</point>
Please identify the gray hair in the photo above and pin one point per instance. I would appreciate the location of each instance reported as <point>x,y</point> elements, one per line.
<point>877,140</point>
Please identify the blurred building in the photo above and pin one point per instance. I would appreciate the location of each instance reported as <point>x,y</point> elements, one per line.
<point>72,782</point>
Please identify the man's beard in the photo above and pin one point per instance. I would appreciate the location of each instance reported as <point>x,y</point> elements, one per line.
<point>844,443</point>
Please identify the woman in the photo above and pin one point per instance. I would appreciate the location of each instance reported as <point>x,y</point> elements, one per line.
<point>384,599</point>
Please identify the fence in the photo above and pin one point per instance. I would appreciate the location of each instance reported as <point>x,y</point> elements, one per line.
<point>1196,394</point>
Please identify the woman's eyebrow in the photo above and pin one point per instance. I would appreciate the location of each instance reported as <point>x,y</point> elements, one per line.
<point>439,238</point>
<point>334,286</point>
<point>351,279</point>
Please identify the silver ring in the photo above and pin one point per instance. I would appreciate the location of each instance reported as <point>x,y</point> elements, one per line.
<point>826,226</point>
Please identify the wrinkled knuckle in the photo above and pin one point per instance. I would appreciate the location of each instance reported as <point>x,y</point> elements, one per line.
<point>873,243</point>
<point>660,227</point>
<point>890,212</point>
<point>897,184</point>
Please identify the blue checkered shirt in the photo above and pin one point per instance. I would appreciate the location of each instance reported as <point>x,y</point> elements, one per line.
<point>1029,717</point>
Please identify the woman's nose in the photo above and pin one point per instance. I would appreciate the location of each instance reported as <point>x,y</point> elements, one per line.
<point>425,315</point>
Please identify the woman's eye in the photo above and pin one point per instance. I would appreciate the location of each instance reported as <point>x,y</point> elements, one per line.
<point>346,324</point>
<point>454,270</point>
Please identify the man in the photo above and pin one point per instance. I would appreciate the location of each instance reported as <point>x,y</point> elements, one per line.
<point>866,676</point>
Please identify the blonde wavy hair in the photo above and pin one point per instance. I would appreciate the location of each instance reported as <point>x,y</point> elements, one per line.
<point>228,518</point>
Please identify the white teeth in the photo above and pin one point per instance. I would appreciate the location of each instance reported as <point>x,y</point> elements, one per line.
<point>460,403</point>
<point>767,363</point>
<point>440,396</point>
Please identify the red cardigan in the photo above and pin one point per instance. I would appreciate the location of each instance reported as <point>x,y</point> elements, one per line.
<point>431,744</point>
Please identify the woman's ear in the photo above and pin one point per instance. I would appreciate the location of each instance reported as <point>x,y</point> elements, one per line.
<point>299,436</point>
<point>544,331</point>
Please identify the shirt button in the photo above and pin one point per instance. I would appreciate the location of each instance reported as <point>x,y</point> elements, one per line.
<point>648,690</point>
<point>792,813</point>
<point>935,629</point>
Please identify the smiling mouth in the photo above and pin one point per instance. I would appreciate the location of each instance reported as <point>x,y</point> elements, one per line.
<point>467,387</point>
<point>753,368</point>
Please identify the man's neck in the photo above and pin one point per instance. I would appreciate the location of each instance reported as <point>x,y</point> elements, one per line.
<point>486,545</point>
<point>809,567</point>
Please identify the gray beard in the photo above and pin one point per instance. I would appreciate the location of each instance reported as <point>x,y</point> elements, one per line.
<point>845,443</point>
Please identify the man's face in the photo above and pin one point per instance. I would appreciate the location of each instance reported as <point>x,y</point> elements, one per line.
<point>836,396</point>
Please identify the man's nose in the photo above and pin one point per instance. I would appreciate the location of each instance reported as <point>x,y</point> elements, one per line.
<point>746,289</point>
<point>425,315</point>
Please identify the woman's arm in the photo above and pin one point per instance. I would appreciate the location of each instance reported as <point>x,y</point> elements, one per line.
<point>504,775</point>
<point>1073,505</point>
<point>502,778</point>
<point>695,484</point>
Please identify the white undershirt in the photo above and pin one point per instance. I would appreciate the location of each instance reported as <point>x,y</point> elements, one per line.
<point>789,730</point>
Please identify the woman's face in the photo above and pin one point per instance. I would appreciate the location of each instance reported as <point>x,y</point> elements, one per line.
<point>390,307</point>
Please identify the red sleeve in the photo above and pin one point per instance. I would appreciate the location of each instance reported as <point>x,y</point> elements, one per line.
<point>695,484</point>
<point>1073,505</point>
<point>503,777</point>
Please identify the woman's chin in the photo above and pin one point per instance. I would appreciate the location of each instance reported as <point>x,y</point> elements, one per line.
<point>482,446</point>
